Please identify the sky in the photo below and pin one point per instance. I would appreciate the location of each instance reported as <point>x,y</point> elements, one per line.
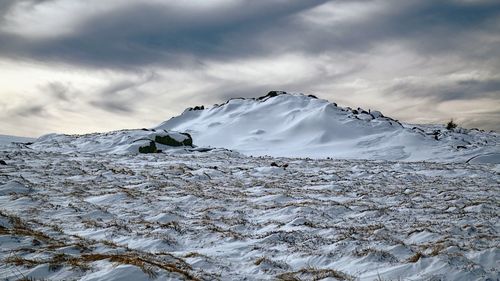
<point>89,66</point>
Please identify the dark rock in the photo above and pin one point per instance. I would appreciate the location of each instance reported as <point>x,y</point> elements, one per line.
<point>272,94</point>
<point>312,96</point>
<point>360,110</point>
<point>151,148</point>
<point>201,107</point>
<point>167,140</point>
<point>436,134</point>
<point>189,140</point>
<point>2,162</point>
<point>274,164</point>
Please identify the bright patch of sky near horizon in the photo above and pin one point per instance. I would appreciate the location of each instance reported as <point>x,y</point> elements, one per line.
<point>77,67</point>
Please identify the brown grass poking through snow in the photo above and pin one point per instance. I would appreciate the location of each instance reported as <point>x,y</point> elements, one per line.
<point>146,264</point>
<point>416,257</point>
<point>314,274</point>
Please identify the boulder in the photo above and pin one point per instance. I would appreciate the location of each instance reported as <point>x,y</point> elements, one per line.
<point>151,148</point>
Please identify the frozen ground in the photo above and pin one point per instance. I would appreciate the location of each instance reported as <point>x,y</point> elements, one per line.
<point>221,215</point>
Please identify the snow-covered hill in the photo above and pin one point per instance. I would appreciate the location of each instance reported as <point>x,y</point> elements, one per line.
<point>7,140</point>
<point>296,125</point>
<point>115,142</point>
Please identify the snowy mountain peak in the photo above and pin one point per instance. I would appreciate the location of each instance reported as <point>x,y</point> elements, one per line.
<point>298,125</point>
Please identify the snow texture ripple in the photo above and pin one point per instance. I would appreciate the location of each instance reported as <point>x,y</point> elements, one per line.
<point>220,215</point>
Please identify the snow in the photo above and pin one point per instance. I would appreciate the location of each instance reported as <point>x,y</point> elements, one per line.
<point>295,125</point>
<point>91,207</point>
<point>14,141</point>
<point>220,215</point>
<point>13,187</point>
<point>116,142</point>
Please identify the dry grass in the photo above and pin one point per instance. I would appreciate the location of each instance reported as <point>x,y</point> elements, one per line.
<point>21,228</point>
<point>314,274</point>
<point>146,264</point>
<point>19,261</point>
<point>194,255</point>
<point>173,225</point>
<point>381,254</point>
<point>436,250</point>
<point>260,260</point>
<point>416,257</point>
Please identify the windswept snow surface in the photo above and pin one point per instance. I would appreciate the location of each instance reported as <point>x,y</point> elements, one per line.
<point>6,140</point>
<point>115,142</point>
<point>295,125</point>
<point>221,215</point>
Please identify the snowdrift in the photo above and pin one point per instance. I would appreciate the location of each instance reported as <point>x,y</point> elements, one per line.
<point>6,140</point>
<point>116,142</point>
<point>296,125</point>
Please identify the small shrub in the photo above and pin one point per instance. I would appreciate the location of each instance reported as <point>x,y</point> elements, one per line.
<point>451,125</point>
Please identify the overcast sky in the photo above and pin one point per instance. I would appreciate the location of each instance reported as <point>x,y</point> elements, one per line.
<point>91,65</point>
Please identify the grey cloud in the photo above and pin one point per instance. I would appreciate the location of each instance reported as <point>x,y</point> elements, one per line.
<point>6,6</point>
<point>455,90</point>
<point>484,120</point>
<point>115,106</point>
<point>471,89</point>
<point>152,34</point>
<point>430,27</point>
<point>146,33</point>
<point>31,110</point>
<point>123,96</point>
<point>54,94</point>
<point>58,90</point>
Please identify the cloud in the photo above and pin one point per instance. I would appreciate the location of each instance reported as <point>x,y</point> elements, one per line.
<point>58,90</point>
<point>123,96</point>
<point>148,32</point>
<point>31,110</point>
<point>449,90</point>
<point>164,33</point>
<point>154,57</point>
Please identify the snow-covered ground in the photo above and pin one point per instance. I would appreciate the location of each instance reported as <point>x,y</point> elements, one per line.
<point>115,142</point>
<point>220,215</point>
<point>296,125</point>
<point>6,140</point>
<point>91,207</point>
